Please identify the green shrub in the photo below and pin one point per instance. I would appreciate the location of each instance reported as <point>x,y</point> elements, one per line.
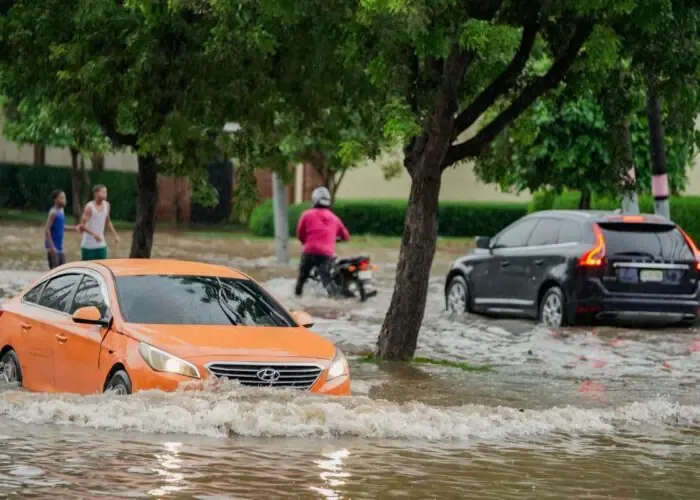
<point>386,217</point>
<point>684,209</point>
<point>29,187</point>
<point>542,200</point>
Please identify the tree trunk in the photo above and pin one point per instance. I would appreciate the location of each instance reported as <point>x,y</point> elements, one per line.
<point>84,181</point>
<point>75,185</point>
<point>147,187</point>
<point>659,176</point>
<point>584,203</point>
<point>39,154</point>
<point>399,334</point>
<point>98,162</point>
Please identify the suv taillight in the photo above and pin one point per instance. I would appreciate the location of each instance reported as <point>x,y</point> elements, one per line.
<point>693,248</point>
<point>594,256</point>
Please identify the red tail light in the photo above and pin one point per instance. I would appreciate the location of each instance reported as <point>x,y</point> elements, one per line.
<point>595,256</point>
<point>364,265</point>
<point>692,246</point>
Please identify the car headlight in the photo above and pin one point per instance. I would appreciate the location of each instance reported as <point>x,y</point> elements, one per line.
<point>339,366</point>
<point>161,361</point>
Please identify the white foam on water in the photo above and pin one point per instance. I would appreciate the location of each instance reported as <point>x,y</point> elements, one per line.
<point>238,411</point>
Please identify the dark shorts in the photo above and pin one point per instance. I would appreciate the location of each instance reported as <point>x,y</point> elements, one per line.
<point>56,259</point>
<point>93,253</point>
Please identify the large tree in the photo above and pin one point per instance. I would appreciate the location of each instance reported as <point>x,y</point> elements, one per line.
<point>448,63</point>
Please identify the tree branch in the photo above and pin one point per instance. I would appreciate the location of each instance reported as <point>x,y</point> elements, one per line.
<point>116,137</point>
<point>473,147</point>
<point>503,82</point>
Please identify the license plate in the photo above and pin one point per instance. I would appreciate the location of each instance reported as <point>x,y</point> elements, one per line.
<point>651,275</point>
<point>364,275</point>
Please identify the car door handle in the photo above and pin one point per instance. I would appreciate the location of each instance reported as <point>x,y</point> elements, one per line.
<point>25,326</point>
<point>61,339</point>
<point>505,263</point>
<point>539,262</point>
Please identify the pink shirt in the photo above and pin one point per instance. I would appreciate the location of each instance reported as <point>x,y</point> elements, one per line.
<point>318,229</point>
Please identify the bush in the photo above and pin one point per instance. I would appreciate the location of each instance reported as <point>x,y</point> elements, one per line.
<point>542,200</point>
<point>29,187</point>
<point>386,217</point>
<point>684,209</point>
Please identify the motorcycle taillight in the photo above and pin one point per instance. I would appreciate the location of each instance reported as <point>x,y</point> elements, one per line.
<point>364,265</point>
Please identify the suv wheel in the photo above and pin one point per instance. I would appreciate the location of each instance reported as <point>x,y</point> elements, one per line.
<point>457,296</point>
<point>553,308</point>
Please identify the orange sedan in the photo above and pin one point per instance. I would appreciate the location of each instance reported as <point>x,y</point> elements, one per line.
<point>134,325</point>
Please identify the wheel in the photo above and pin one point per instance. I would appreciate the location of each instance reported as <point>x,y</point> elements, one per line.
<point>119,383</point>
<point>553,308</point>
<point>10,369</point>
<point>457,296</point>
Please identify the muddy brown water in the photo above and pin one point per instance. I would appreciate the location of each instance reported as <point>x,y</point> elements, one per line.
<point>597,413</point>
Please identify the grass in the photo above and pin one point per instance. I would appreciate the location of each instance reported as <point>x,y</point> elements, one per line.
<point>466,367</point>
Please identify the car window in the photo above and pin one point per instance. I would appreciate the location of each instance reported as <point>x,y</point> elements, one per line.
<point>33,295</point>
<point>516,235</point>
<point>545,233</point>
<point>197,300</point>
<point>570,232</point>
<point>58,292</point>
<point>88,294</point>
<point>655,240</point>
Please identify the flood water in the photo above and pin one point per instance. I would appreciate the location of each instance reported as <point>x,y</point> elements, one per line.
<point>605,413</point>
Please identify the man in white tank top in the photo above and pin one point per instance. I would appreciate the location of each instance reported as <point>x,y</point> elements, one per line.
<point>95,219</point>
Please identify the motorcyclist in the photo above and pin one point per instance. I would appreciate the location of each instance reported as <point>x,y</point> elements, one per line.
<point>318,230</point>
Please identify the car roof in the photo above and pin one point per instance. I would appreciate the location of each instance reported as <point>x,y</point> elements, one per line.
<point>602,216</point>
<point>153,267</point>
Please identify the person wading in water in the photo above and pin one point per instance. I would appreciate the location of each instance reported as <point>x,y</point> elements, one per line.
<point>55,229</point>
<point>95,219</point>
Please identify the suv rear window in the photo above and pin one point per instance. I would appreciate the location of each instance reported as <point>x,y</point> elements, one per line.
<point>660,241</point>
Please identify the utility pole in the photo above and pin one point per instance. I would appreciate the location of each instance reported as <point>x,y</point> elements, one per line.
<point>659,175</point>
<point>630,201</point>
<point>279,203</point>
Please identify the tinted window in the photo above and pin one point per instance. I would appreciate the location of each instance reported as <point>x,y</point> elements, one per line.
<point>58,292</point>
<point>659,241</point>
<point>197,300</point>
<point>570,232</point>
<point>89,294</point>
<point>516,235</point>
<point>32,296</point>
<point>546,232</point>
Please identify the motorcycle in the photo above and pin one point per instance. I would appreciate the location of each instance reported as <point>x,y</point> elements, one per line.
<point>350,277</point>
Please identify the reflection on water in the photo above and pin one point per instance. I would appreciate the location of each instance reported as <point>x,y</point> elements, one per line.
<point>601,413</point>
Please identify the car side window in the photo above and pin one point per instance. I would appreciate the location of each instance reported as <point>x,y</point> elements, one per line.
<point>58,292</point>
<point>546,232</point>
<point>570,232</point>
<point>517,235</point>
<point>89,293</point>
<point>33,295</point>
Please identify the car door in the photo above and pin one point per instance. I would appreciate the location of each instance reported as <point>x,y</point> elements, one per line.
<point>78,345</point>
<point>40,339</point>
<point>539,257</point>
<point>505,268</point>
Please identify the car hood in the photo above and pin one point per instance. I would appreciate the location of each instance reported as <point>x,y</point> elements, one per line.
<point>193,341</point>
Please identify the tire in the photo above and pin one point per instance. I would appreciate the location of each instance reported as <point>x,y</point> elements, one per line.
<point>457,295</point>
<point>553,308</point>
<point>119,383</point>
<point>11,370</point>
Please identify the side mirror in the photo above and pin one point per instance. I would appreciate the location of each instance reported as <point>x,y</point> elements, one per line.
<point>89,316</point>
<point>483,242</point>
<point>303,319</point>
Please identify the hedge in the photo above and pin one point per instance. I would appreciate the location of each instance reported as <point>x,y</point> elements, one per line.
<point>29,187</point>
<point>685,210</point>
<point>387,217</point>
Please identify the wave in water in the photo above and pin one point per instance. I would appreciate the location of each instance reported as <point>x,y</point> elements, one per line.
<point>255,413</point>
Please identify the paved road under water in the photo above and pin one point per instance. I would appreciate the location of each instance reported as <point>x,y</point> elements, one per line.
<point>603,413</point>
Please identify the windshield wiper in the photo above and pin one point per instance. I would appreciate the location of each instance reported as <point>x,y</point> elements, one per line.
<point>635,253</point>
<point>228,311</point>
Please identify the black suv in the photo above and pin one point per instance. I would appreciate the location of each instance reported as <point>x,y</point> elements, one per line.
<point>574,266</point>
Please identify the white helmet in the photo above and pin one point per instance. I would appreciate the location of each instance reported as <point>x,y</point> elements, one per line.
<point>321,197</point>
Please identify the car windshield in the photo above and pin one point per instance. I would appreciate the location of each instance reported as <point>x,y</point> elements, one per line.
<point>653,240</point>
<point>197,300</point>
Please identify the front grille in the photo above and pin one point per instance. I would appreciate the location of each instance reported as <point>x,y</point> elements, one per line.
<point>300,377</point>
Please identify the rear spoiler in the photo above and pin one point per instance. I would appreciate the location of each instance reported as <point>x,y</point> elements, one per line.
<point>638,219</point>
